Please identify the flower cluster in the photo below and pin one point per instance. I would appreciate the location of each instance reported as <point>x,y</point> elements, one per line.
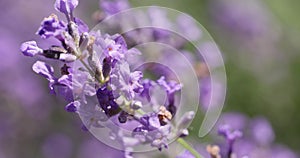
<point>104,74</point>
<point>99,84</point>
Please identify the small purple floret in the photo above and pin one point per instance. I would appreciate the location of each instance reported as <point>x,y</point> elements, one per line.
<point>51,27</point>
<point>72,107</point>
<point>31,49</point>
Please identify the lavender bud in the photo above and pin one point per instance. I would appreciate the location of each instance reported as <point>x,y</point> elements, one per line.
<point>65,6</point>
<point>67,57</point>
<point>30,48</point>
<point>136,105</point>
<point>186,119</point>
<point>184,133</point>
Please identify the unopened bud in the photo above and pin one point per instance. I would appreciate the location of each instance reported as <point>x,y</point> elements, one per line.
<point>136,105</point>
<point>67,57</point>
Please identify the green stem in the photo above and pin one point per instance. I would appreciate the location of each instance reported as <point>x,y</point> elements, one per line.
<point>189,148</point>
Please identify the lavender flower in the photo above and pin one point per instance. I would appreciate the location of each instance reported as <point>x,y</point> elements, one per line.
<point>125,82</point>
<point>107,102</point>
<point>31,49</point>
<point>118,91</point>
<point>51,27</point>
<point>147,84</point>
<point>113,46</point>
<point>152,131</point>
<point>65,83</point>
<point>170,87</point>
<point>72,106</point>
<point>46,71</point>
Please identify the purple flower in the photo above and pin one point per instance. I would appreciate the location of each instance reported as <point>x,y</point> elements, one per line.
<point>170,87</point>
<point>125,82</point>
<point>150,122</point>
<point>46,71</point>
<point>147,84</point>
<point>113,46</point>
<point>152,131</point>
<point>107,102</point>
<point>111,7</point>
<point>65,6</point>
<point>121,41</point>
<point>51,27</point>
<point>68,85</point>
<point>30,48</point>
<point>134,80</point>
<point>72,107</point>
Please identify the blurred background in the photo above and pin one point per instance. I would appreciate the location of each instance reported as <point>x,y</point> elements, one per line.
<point>260,42</point>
